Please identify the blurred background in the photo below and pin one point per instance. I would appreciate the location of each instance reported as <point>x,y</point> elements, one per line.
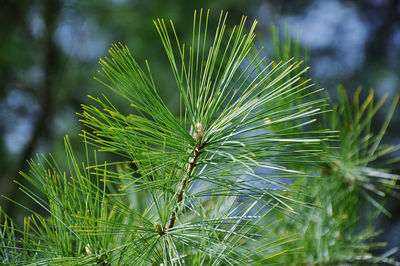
<point>49,51</point>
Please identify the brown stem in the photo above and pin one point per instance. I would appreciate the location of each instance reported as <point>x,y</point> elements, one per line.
<point>102,262</point>
<point>192,163</point>
<point>179,196</point>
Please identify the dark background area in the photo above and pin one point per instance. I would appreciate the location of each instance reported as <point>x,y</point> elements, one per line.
<point>49,51</point>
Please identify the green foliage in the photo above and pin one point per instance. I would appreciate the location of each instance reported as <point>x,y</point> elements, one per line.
<point>243,174</point>
<point>333,232</point>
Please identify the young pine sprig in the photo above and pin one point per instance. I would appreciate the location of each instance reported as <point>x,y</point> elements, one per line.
<point>193,189</point>
<point>221,144</point>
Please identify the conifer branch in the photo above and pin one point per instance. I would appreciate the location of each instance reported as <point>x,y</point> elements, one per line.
<point>199,134</point>
<point>262,143</point>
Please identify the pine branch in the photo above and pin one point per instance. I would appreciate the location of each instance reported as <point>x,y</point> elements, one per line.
<point>252,131</point>
<point>192,164</point>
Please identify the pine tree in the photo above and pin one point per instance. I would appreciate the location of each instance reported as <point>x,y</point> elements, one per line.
<point>258,167</point>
